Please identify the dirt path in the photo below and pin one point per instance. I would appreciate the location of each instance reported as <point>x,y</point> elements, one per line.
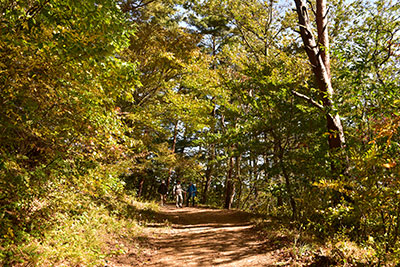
<point>213,237</point>
<point>208,237</point>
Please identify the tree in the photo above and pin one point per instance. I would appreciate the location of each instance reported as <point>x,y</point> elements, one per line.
<point>317,49</point>
<point>61,131</point>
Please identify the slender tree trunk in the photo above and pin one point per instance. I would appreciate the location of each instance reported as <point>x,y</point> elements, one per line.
<point>289,191</point>
<point>210,163</point>
<point>208,175</point>
<point>288,184</point>
<point>238,179</point>
<point>140,187</point>
<point>279,156</point>
<point>253,181</point>
<point>207,182</point>
<point>229,185</point>
<point>173,148</point>
<point>246,200</point>
<point>239,195</point>
<point>318,55</point>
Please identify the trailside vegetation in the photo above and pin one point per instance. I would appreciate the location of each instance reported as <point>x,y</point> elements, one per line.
<point>288,109</point>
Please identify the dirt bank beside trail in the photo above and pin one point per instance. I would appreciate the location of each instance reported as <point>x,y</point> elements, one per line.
<point>205,237</point>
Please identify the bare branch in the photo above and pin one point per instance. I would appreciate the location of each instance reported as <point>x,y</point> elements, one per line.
<point>312,8</point>
<point>327,12</point>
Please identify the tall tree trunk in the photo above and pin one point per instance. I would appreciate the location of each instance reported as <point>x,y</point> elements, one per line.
<point>207,182</point>
<point>229,185</point>
<point>238,179</point>
<point>210,163</point>
<point>289,190</point>
<point>239,195</point>
<point>253,181</point>
<point>279,152</point>
<point>173,148</point>
<point>318,55</point>
<point>323,37</point>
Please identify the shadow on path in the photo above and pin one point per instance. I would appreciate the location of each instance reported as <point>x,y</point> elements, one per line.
<point>208,237</point>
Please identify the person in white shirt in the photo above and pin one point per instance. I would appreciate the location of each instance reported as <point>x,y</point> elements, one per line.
<point>178,194</point>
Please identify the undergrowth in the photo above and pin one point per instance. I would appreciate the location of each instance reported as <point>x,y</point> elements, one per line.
<point>80,232</point>
<point>300,246</point>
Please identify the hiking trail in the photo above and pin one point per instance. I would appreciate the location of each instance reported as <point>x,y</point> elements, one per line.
<point>205,237</point>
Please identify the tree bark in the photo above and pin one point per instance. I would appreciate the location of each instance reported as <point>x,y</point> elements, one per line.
<point>207,182</point>
<point>253,181</point>
<point>322,28</point>
<point>279,152</point>
<point>173,148</point>
<point>238,179</point>
<point>289,190</point>
<point>140,187</point>
<point>318,55</point>
<point>210,163</point>
<point>229,185</point>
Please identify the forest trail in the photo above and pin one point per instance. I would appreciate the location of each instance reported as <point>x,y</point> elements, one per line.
<point>206,237</point>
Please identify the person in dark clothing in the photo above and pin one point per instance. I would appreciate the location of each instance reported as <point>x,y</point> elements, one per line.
<point>191,194</point>
<point>162,190</point>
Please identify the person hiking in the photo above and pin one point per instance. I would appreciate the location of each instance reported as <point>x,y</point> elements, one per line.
<point>191,194</point>
<point>162,190</point>
<point>178,194</point>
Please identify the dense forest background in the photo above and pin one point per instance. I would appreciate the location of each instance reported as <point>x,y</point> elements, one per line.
<point>259,104</point>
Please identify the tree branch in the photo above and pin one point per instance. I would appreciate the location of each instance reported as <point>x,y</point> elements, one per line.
<point>311,7</point>
<point>308,99</point>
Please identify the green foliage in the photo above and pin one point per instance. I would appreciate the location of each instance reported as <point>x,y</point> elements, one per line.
<point>102,98</point>
<point>81,232</point>
<point>60,134</point>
